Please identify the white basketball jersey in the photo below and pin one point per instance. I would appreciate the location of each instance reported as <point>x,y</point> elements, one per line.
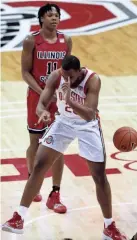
<point>77,94</point>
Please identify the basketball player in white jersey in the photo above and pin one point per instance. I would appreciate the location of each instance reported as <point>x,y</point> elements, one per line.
<point>77,100</point>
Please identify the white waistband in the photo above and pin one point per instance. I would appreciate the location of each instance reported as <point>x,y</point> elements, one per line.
<point>76,123</point>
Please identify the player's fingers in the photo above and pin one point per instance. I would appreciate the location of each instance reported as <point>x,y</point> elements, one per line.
<point>64,88</point>
<point>69,80</point>
<point>69,83</point>
<point>39,120</point>
<point>66,84</point>
<point>48,115</point>
<point>47,120</point>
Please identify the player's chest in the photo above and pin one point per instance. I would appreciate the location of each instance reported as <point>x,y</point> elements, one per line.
<point>50,51</point>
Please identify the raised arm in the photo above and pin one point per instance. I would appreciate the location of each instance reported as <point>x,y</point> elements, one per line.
<point>87,111</point>
<point>27,64</point>
<point>48,92</point>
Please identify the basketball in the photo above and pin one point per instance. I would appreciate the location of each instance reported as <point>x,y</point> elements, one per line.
<point>125,139</point>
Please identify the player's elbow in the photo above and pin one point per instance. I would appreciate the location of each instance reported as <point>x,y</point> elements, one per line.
<point>88,117</point>
<point>90,114</point>
<point>25,74</point>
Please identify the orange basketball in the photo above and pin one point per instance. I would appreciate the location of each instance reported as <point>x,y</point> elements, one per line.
<point>125,139</point>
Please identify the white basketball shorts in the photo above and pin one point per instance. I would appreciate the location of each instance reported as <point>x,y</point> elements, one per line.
<point>64,130</point>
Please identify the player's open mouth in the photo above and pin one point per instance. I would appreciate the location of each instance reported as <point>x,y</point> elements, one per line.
<point>53,23</point>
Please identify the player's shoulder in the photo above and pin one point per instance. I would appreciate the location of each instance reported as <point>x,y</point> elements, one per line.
<point>67,38</point>
<point>92,74</point>
<point>94,81</point>
<point>29,42</point>
<point>56,73</point>
<point>54,79</point>
<point>68,41</point>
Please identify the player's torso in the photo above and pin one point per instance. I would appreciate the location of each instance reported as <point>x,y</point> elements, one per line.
<point>78,95</point>
<point>47,57</point>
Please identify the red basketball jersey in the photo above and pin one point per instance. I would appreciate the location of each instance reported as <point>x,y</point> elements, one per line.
<point>47,56</point>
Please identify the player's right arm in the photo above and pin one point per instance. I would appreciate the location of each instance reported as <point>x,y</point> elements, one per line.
<point>69,44</point>
<point>27,63</point>
<point>47,95</point>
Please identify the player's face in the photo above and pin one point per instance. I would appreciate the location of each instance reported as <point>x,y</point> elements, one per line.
<point>72,74</point>
<point>51,19</point>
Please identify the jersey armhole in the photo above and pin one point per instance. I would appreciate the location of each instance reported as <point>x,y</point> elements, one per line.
<point>35,33</point>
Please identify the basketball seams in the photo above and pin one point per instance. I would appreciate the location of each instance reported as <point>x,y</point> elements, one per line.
<point>117,135</point>
<point>122,140</point>
<point>124,129</point>
<point>134,133</point>
<point>135,136</point>
<point>129,140</point>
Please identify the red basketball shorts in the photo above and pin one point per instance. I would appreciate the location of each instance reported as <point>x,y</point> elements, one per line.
<point>32,118</point>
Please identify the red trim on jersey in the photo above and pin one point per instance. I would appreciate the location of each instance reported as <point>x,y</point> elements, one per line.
<point>98,116</point>
<point>88,80</point>
<point>38,38</point>
<point>61,34</point>
<point>35,33</point>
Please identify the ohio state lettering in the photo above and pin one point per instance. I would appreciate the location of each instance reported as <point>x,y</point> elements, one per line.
<point>74,96</point>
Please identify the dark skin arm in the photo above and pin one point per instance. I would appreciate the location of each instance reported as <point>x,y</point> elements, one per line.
<point>47,94</point>
<point>86,111</point>
<point>27,63</point>
<point>69,44</point>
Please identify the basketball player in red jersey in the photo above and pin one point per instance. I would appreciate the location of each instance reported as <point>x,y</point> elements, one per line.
<point>42,53</point>
<point>77,100</point>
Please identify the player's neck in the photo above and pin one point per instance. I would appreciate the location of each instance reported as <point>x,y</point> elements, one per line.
<point>83,73</point>
<point>48,34</point>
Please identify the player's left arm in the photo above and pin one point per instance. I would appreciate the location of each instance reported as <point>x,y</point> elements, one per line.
<point>69,44</point>
<point>88,110</point>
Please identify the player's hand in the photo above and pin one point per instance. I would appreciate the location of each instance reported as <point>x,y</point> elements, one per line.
<point>66,90</point>
<point>45,117</point>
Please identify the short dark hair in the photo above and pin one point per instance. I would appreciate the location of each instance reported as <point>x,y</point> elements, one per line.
<point>44,9</point>
<point>70,62</point>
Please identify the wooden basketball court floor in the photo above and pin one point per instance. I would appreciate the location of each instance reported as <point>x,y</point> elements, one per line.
<point>113,56</point>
